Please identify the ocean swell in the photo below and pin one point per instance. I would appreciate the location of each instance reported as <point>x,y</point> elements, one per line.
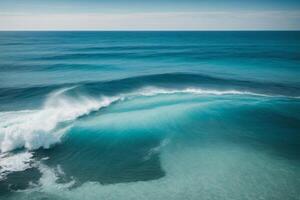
<point>32,129</point>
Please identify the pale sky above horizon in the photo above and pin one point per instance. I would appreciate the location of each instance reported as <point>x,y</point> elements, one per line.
<point>149,15</point>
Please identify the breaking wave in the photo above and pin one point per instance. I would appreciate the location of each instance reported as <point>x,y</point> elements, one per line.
<point>32,129</point>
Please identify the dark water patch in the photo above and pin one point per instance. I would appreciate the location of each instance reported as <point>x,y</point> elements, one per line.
<point>19,181</point>
<point>87,155</point>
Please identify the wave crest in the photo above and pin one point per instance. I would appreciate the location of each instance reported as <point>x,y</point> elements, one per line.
<point>33,129</point>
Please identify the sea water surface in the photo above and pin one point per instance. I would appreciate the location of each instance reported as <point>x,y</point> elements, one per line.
<point>150,115</point>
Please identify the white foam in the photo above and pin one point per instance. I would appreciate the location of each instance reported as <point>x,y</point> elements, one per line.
<point>14,163</point>
<point>48,180</point>
<point>33,129</point>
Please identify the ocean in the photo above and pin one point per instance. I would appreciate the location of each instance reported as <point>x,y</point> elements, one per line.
<point>150,115</point>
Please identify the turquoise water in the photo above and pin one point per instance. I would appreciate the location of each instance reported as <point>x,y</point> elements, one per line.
<point>149,115</point>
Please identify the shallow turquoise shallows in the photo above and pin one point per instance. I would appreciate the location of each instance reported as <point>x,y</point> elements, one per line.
<point>150,115</point>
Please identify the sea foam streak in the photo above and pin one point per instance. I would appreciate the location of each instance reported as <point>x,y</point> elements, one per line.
<point>33,129</point>
<point>150,91</point>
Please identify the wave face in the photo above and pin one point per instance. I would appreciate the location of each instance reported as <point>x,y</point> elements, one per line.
<point>33,129</point>
<point>149,115</point>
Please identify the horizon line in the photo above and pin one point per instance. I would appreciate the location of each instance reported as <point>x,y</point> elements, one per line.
<point>144,30</point>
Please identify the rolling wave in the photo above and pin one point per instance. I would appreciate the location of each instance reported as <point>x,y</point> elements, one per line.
<point>166,80</point>
<point>32,129</point>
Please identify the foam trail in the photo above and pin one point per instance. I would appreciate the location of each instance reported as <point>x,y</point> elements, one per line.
<point>152,91</point>
<point>33,129</point>
<point>157,149</point>
<point>48,180</point>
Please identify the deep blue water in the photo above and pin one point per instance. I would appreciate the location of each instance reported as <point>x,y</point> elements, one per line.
<point>150,115</point>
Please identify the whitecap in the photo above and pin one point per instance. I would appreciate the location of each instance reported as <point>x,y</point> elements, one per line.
<point>33,129</point>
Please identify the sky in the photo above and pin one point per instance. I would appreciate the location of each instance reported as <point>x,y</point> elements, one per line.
<point>149,15</point>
